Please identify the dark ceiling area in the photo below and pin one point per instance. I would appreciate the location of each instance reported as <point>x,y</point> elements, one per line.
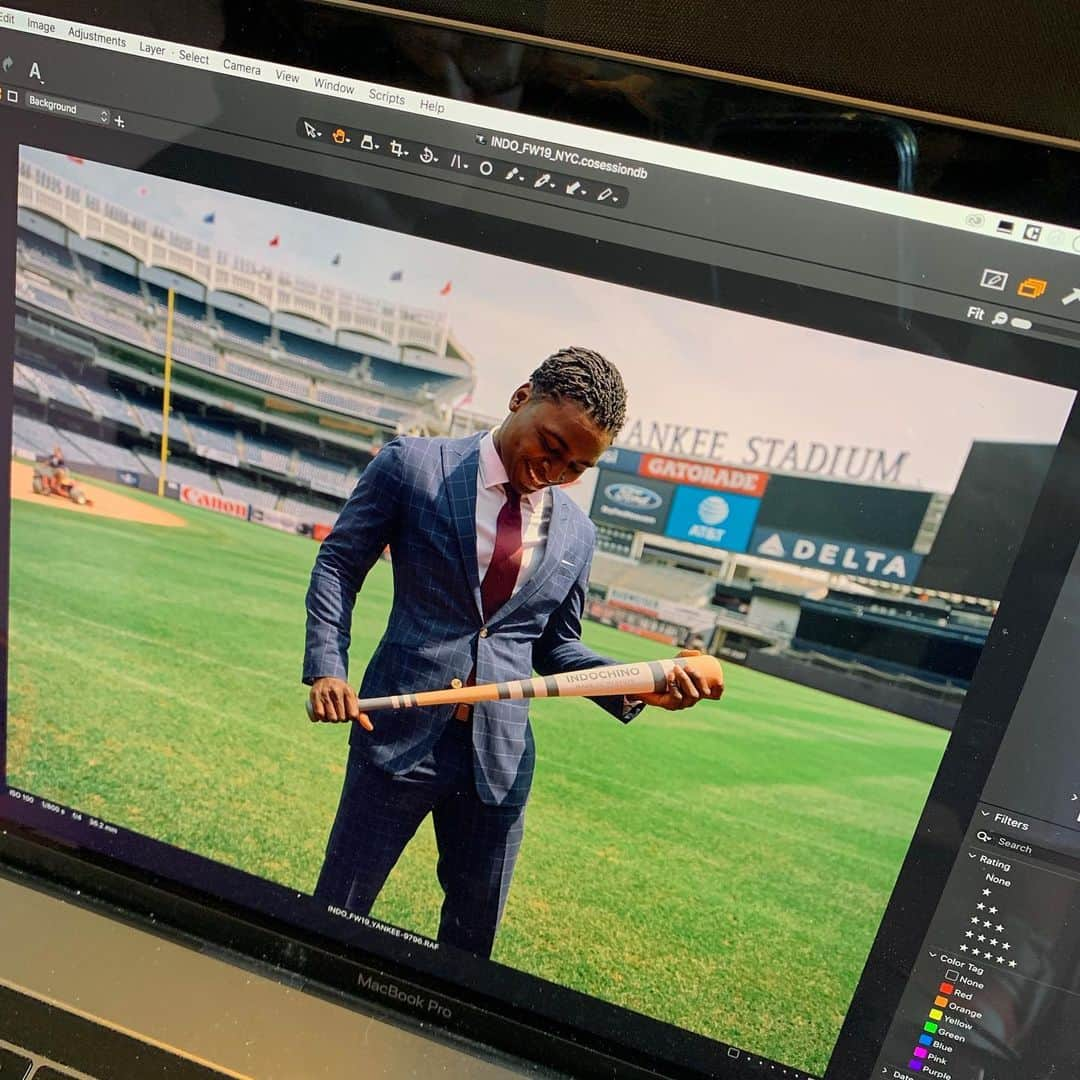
<point>1010,64</point>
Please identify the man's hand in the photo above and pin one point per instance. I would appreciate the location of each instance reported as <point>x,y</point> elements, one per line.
<point>333,701</point>
<point>686,688</point>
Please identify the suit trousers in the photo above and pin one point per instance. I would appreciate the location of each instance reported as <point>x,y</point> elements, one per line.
<point>379,814</point>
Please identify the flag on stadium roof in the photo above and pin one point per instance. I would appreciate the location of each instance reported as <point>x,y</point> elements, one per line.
<point>209,219</point>
<point>336,260</point>
<point>77,160</point>
<point>445,290</point>
<point>275,240</point>
<point>143,192</point>
<point>397,275</point>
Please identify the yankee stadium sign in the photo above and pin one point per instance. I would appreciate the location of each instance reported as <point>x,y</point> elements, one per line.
<point>868,464</point>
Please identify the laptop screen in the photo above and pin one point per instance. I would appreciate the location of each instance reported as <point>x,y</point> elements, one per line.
<point>329,393</point>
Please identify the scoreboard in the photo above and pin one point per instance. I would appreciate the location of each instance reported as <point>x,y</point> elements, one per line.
<point>840,527</point>
<point>964,542</point>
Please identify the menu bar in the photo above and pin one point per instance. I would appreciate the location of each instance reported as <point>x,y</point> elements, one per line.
<point>542,138</point>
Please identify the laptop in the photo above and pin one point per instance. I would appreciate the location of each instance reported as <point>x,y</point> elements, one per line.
<point>308,328</point>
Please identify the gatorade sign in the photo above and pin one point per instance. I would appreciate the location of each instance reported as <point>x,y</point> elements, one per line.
<point>704,474</point>
<point>836,556</point>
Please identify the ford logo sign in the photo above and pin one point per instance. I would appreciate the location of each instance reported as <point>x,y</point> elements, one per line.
<point>639,498</point>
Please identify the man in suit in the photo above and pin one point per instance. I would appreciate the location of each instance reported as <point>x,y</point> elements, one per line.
<point>490,563</point>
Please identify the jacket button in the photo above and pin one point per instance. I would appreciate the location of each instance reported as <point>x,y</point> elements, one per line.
<point>456,684</point>
<point>483,631</point>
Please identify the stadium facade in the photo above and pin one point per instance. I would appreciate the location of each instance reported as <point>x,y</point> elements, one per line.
<point>283,387</point>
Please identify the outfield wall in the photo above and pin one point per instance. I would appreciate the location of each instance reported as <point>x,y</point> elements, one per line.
<point>879,693</point>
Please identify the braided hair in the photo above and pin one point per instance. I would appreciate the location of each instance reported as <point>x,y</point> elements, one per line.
<point>587,379</point>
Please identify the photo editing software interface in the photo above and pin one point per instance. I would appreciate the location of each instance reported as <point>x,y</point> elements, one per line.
<point>229,288</point>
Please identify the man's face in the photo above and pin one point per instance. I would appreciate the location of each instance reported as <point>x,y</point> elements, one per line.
<point>545,442</point>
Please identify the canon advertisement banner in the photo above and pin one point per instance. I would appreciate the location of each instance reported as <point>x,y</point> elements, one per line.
<point>211,500</point>
<point>630,501</point>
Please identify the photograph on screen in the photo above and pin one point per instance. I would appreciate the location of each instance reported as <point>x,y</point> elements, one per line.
<point>201,381</point>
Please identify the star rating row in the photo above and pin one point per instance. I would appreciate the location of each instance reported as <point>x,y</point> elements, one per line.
<point>985,954</point>
<point>982,937</point>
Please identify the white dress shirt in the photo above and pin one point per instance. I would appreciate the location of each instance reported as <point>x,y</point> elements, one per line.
<point>490,499</point>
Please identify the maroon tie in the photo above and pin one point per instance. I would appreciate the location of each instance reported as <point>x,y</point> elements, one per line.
<point>502,572</point>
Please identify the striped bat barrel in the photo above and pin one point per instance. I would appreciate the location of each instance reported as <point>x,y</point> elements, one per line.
<point>643,677</point>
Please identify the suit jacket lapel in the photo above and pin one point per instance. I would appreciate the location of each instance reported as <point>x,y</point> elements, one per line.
<point>460,467</point>
<point>554,550</point>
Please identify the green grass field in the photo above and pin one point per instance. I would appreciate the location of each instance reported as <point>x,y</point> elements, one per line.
<point>723,869</point>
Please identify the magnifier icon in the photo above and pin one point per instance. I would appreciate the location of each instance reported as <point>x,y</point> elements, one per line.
<point>985,837</point>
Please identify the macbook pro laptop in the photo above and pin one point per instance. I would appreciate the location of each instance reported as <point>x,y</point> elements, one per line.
<point>272,285</point>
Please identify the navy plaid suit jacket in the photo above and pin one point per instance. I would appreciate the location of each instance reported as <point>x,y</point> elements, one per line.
<point>418,496</point>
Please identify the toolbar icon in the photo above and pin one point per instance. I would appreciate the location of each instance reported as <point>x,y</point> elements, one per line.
<point>13,97</point>
<point>975,220</point>
<point>1071,297</point>
<point>367,142</point>
<point>310,130</point>
<point>1032,232</point>
<point>397,149</point>
<point>427,156</point>
<point>511,174</point>
<point>7,64</point>
<point>605,195</point>
<point>118,120</point>
<point>1031,287</point>
<point>1000,319</point>
<point>994,279</point>
<point>338,135</point>
<point>481,138</point>
<point>1006,226</point>
<point>542,179</point>
<point>486,168</point>
<point>35,72</point>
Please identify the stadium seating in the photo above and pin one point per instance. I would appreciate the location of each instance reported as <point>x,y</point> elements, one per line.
<point>267,500</point>
<point>185,474</point>
<point>307,512</point>
<point>185,310</point>
<point>32,434</point>
<point>117,326</point>
<point>210,435</point>
<point>404,380</point>
<point>238,367</point>
<point>49,298</point>
<point>108,404</point>
<point>237,328</point>
<point>52,259</point>
<point>354,404</point>
<point>78,449</point>
<point>60,389</point>
<point>318,354</point>
<point>326,476</point>
<point>651,579</point>
<point>147,419</point>
<point>266,455</point>
<point>26,377</point>
<point>107,281</point>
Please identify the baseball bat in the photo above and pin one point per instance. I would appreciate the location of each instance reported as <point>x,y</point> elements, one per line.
<point>646,677</point>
